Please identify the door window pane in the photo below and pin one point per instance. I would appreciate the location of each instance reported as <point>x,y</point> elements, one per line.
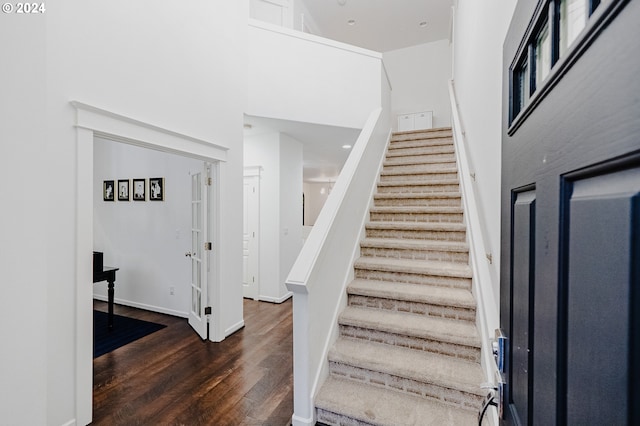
<point>521,88</point>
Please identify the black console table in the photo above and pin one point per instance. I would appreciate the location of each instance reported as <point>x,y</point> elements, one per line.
<point>108,273</point>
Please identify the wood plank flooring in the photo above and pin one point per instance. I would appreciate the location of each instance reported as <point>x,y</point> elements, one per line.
<point>172,377</point>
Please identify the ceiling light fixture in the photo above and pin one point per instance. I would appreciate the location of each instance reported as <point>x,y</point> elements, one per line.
<point>351,22</point>
<point>423,24</point>
<point>346,146</point>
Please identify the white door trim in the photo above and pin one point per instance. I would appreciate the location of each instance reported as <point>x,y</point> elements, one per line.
<point>91,122</point>
<point>253,210</point>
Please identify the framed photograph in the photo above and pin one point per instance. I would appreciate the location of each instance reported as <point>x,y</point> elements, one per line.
<point>123,189</point>
<point>139,189</point>
<point>156,189</point>
<point>108,190</point>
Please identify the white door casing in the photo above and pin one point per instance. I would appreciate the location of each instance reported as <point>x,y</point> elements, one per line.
<point>251,236</point>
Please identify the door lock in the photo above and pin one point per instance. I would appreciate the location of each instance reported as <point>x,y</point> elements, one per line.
<point>498,347</point>
<point>188,254</point>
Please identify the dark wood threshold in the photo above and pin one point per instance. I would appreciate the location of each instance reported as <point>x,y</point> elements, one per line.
<point>172,377</point>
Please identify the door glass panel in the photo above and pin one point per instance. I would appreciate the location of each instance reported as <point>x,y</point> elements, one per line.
<point>543,54</point>
<point>521,88</point>
<point>573,18</point>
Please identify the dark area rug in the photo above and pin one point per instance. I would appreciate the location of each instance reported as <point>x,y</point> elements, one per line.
<point>125,330</point>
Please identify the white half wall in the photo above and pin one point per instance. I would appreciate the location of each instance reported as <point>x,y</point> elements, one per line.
<point>420,76</point>
<point>147,240</point>
<point>479,32</point>
<point>301,77</point>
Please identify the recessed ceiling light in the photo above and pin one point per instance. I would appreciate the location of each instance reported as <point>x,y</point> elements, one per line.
<point>351,22</point>
<point>346,146</point>
<point>423,24</point>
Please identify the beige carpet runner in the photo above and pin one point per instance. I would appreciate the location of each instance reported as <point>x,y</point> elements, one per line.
<point>409,351</point>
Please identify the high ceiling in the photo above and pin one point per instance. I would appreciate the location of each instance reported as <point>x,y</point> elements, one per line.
<point>381,25</point>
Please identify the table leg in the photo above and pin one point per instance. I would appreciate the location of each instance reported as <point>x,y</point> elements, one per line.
<point>110,292</point>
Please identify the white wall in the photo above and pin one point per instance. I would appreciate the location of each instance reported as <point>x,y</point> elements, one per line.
<point>280,158</point>
<point>187,78</point>
<point>147,240</point>
<point>314,199</point>
<point>25,188</point>
<point>419,76</point>
<point>300,77</point>
<point>479,32</point>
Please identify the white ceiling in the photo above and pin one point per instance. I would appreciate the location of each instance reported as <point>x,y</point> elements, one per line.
<point>381,25</point>
<point>323,155</point>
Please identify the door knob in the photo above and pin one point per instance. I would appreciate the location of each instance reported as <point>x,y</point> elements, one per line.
<point>188,254</point>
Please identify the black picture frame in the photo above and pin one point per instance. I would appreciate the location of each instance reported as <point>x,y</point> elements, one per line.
<point>156,189</point>
<point>108,190</point>
<point>139,190</point>
<point>123,189</point>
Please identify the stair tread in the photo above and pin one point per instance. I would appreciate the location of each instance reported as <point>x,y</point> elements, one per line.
<point>444,296</point>
<point>419,171</point>
<point>410,195</point>
<point>421,326</point>
<point>420,182</point>
<point>387,407</point>
<point>421,366</point>
<point>409,244</point>
<point>416,209</point>
<point>441,269</point>
<point>417,226</point>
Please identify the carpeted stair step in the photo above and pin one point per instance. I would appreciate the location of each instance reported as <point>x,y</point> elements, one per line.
<point>345,402</point>
<point>452,199</point>
<point>420,159</point>
<point>440,377</point>
<point>433,301</point>
<point>408,151</point>
<point>398,248</point>
<point>434,172</point>
<point>398,146</point>
<point>417,230</point>
<point>443,274</point>
<point>420,185</point>
<point>416,214</point>
<point>458,339</point>
<point>413,169</point>
<point>444,132</point>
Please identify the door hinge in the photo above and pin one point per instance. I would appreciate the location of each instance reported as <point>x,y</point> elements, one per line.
<point>207,310</point>
<point>208,181</point>
<point>254,279</point>
<point>207,245</point>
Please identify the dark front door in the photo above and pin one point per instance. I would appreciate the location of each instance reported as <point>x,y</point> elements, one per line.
<point>570,261</point>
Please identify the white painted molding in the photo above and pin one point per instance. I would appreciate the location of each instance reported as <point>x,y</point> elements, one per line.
<point>488,314</point>
<point>252,171</point>
<point>237,326</point>
<point>282,299</point>
<point>144,306</point>
<point>125,129</point>
<point>70,423</point>
<point>313,38</point>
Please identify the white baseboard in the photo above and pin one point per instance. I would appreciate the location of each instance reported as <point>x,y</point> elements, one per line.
<point>276,300</point>
<point>144,306</point>
<point>300,421</point>
<point>237,326</point>
<point>71,422</point>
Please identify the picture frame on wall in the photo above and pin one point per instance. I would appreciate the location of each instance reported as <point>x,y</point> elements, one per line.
<point>156,189</point>
<point>139,190</point>
<point>123,189</point>
<point>108,190</point>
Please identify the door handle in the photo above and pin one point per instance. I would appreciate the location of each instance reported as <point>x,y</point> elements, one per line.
<point>188,254</point>
<point>498,347</point>
<point>495,397</point>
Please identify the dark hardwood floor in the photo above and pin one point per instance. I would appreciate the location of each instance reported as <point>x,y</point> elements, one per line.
<point>172,377</point>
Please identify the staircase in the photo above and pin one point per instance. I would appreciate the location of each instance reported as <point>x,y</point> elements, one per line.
<point>408,352</point>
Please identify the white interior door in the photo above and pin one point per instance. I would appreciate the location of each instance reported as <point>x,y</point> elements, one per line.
<point>198,254</point>
<point>250,256</point>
